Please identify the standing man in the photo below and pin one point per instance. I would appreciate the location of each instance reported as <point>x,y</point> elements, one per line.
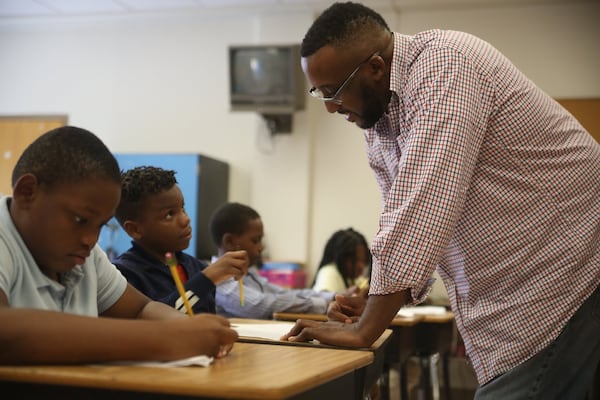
<point>484,177</point>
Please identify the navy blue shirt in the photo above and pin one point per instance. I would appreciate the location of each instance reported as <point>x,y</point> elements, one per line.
<point>153,278</point>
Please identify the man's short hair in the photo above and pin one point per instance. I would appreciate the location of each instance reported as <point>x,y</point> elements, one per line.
<point>340,25</point>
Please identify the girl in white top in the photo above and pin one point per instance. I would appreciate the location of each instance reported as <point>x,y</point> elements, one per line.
<point>345,260</point>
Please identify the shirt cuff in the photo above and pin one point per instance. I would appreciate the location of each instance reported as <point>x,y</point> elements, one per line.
<point>418,295</point>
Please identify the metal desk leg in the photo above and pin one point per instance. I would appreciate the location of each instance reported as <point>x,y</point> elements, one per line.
<point>446,373</point>
<point>403,381</point>
<point>384,382</point>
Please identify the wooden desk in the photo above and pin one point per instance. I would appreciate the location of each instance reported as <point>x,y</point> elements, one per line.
<point>366,378</point>
<point>250,371</point>
<point>397,349</point>
<point>421,335</point>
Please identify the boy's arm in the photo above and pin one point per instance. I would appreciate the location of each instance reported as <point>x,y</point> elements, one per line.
<point>30,336</point>
<point>134,304</point>
<point>262,305</point>
<point>202,285</point>
<point>161,287</point>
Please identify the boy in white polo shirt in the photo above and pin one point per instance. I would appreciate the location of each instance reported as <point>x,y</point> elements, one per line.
<point>55,281</point>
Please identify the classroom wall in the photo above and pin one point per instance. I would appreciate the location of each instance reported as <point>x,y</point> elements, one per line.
<point>159,83</point>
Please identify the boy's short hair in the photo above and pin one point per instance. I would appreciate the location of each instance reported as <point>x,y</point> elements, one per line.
<point>67,155</point>
<point>230,218</point>
<point>137,184</point>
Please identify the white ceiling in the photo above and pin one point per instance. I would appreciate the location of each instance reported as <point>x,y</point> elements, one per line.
<point>10,9</point>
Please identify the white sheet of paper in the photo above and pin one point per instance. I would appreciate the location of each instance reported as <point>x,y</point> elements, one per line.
<point>421,310</point>
<point>202,361</point>
<point>263,331</point>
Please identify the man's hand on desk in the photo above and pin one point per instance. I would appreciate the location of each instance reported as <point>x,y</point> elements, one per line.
<point>330,332</point>
<point>346,309</point>
<point>372,317</point>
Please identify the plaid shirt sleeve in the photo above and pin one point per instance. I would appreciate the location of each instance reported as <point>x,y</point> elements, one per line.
<point>445,103</point>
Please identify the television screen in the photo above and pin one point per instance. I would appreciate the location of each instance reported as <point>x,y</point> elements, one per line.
<point>266,78</point>
<point>261,71</point>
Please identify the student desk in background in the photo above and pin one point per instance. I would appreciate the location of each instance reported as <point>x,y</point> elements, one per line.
<point>250,371</point>
<point>434,334</point>
<point>417,335</point>
<point>365,377</point>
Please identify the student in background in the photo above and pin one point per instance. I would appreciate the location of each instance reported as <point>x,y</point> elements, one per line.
<point>235,226</point>
<point>55,280</point>
<point>152,213</point>
<point>346,257</point>
<point>484,177</point>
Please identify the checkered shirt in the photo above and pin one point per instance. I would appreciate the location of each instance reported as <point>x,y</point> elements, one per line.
<point>490,180</point>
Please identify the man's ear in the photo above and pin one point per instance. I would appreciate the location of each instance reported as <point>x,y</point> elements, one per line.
<point>25,190</point>
<point>132,229</point>
<point>378,68</point>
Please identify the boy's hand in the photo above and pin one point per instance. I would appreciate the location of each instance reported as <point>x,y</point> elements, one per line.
<point>231,264</point>
<point>346,309</point>
<point>202,334</point>
<point>352,290</point>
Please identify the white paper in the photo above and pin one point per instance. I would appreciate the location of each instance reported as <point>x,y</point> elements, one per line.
<point>203,361</point>
<point>421,310</point>
<point>263,331</point>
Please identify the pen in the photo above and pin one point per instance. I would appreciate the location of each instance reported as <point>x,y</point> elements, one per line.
<point>180,289</point>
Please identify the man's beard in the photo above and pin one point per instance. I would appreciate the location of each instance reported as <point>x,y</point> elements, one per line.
<point>373,109</point>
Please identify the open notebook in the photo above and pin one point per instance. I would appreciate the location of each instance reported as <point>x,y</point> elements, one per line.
<point>266,331</point>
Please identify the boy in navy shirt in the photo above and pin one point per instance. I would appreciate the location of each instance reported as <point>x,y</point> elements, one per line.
<point>152,213</point>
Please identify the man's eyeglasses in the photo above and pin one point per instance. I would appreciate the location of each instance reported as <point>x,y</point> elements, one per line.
<point>336,98</point>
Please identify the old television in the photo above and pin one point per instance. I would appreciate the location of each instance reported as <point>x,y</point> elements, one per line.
<point>266,79</point>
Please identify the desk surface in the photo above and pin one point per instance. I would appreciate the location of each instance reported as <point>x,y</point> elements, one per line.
<point>448,316</point>
<point>363,381</point>
<point>250,371</point>
<point>378,343</point>
<point>418,333</point>
<point>398,321</point>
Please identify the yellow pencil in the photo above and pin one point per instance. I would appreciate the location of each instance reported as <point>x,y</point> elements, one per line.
<point>180,289</point>
<point>363,287</point>
<point>364,284</point>
<point>241,285</point>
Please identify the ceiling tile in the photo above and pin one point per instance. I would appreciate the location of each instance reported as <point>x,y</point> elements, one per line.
<point>20,8</point>
<point>142,5</point>
<point>82,7</point>
<point>238,3</point>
